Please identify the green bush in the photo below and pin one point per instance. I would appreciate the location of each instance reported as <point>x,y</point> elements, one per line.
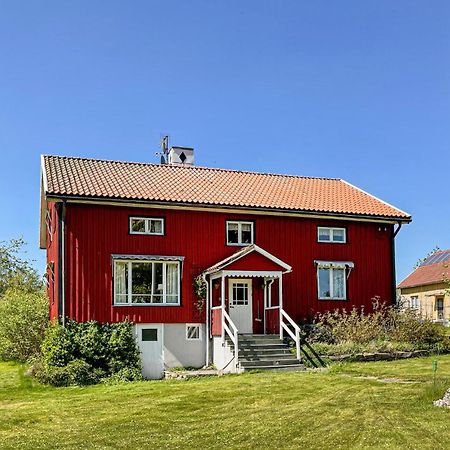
<point>124,375</point>
<point>91,342</point>
<point>23,320</point>
<point>76,372</point>
<point>85,353</point>
<point>123,351</point>
<point>58,347</point>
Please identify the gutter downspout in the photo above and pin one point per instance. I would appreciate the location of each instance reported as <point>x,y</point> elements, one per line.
<point>61,262</point>
<point>394,274</point>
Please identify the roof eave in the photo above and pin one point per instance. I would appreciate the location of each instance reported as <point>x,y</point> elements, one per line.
<point>307,213</point>
<point>427,283</point>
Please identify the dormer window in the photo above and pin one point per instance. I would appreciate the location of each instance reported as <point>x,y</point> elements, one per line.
<point>147,225</point>
<point>239,233</point>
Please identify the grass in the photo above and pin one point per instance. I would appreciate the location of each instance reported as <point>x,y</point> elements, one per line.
<point>342,408</point>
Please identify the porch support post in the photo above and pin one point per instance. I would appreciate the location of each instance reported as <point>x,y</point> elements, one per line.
<point>280,302</point>
<point>208,319</point>
<point>222,304</point>
<point>265,304</point>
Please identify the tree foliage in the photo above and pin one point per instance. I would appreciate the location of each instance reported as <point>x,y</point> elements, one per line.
<point>15,271</point>
<point>23,319</point>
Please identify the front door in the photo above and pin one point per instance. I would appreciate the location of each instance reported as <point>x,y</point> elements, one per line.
<point>240,304</point>
<point>150,341</point>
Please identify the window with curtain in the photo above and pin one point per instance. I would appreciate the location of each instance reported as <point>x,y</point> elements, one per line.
<point>331,234</point>
<point>332,282</point>
<point>146,282</point>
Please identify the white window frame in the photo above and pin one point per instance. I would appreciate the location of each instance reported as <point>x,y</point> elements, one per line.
<point>332,266</point>
<point>331,230</point>
<point>147,221</point>
<point>197,325</point>
<point>129,294</point>
<point>414,302</point>
<point>239,224</point>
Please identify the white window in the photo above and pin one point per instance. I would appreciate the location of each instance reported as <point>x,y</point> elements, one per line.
<point>147,225</point>
<point>332,281</point>
<point>193,332</point>
<point>329,234</point>
<point>146,282</point>
<point>239,233</point>
<point>414,302</point>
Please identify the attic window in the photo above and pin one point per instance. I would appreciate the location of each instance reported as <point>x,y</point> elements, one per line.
<point>147,225</point>
<point>239,233</point>
<point>331,234</point>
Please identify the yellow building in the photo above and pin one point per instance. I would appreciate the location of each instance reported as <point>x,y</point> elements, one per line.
<point>427,289</point>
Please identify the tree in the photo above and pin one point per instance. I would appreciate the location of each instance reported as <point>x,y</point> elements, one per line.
<point>16,272</point>
<point>23,320</point>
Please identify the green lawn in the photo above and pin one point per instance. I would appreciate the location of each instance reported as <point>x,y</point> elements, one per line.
<point>342,408</point>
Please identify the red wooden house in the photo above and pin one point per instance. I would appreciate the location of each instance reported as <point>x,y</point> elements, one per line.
<point>127,240</point>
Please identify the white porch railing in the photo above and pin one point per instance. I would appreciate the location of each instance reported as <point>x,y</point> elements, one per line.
<point>295,335</point>
<point>228,328</point>
<point>232,331</point>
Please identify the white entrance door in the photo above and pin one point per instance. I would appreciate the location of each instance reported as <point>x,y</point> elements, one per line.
<point>240,304</point>
<point>150,341</point>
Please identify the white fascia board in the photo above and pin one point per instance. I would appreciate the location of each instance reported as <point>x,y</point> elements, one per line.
<point>252,273</point>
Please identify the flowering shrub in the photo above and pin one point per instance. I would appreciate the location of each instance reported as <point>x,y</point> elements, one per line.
<point>386,328</point>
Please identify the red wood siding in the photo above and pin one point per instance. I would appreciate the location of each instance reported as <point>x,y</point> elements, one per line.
<point>52,257</point>
<point>216,322</point>
<point>254,261</point>
<point>94,233</point>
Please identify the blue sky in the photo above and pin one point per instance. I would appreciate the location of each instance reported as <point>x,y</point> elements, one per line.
<point>352,89</point>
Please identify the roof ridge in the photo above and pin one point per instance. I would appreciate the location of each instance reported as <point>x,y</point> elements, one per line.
<point>216,169</point>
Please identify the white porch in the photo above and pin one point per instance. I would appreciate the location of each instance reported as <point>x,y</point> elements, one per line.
<point>245,301</point>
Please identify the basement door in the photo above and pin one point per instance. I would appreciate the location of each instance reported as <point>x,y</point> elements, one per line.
<point>240,304</point>
<point>150,342</point>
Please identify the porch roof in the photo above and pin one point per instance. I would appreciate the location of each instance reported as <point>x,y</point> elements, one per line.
<point>221,265</point>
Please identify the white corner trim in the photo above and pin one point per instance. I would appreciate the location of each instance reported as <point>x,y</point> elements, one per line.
<point>44,174</point>
<point>376,198</point>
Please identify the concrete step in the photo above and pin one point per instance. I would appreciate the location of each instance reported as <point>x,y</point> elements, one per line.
<point>261,342</point>
<point>259,347</point>
<point>259,336</point>
<point>264,351</point>
<point>265,357</point>
<point>271,362</point>
<point>281,368</point>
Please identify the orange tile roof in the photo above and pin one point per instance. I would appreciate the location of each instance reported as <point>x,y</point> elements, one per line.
<point>193,185</point>
<point>424,275</point>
